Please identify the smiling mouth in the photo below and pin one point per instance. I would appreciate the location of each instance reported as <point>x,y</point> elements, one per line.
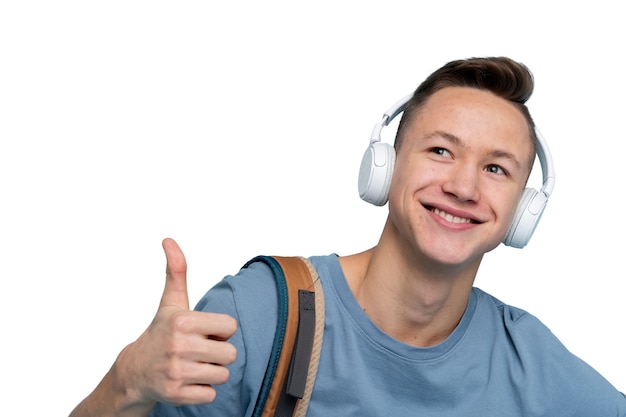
<point>450,218</point>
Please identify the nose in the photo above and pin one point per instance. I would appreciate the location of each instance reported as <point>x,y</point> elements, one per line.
<point>462,182</point>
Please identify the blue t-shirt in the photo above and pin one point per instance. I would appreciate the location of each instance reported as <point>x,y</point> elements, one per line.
<point>499,361</point>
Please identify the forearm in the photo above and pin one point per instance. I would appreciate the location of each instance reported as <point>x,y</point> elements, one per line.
<point>113,397</point>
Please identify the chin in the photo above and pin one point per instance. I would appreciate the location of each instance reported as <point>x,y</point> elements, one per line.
<point>449,254</point>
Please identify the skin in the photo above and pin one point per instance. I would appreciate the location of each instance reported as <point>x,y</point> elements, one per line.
<point>458,178</point>
<point>176,360</point>
<point>467,153</point>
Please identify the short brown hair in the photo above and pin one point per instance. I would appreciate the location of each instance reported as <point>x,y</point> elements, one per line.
<point>502,76</point>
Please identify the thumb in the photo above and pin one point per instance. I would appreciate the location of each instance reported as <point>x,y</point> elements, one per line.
<point>175,292</point>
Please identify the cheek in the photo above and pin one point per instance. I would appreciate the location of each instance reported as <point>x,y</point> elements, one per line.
<point>400,192</point>
<point>409,176</point>
<point>396,183</point>
<point>508,211</point>
<point>403,185</point>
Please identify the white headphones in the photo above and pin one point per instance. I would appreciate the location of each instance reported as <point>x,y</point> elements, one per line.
<point>379,160</point>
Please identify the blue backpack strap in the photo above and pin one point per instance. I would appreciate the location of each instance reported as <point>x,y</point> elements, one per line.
<point>281,327</point>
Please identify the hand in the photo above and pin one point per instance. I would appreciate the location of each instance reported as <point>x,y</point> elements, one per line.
<point>182,353</point>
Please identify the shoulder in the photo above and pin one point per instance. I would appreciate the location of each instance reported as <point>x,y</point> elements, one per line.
<point>517,329</point>
<point>251,294</point>
<point>511,317</point>
<point>535,357</point>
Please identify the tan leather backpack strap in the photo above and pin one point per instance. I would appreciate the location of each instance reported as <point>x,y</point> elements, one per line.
<point>298,278</point>
<point>290,375</point>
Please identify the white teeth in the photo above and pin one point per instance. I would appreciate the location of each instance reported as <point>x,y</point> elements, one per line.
<point>450,217</point>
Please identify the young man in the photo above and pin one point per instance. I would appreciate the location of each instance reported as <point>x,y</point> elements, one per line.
<point>406,333</point>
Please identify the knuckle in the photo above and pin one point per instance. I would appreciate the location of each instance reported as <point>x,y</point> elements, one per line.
<point>230,324</point>
<point>221,375</point>
<point>210,395</point>
<point>230,354</point>
<point>224,324</point>
<point>173,349</point>
<point>181,322</point>
<point>173,374</point>
<point>172,394</point>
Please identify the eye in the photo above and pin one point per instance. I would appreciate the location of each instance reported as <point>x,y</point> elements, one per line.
<point>442,152</point>
<point>495,169</point>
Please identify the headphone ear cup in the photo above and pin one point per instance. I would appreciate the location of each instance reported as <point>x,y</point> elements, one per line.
<point>527,215</point>
<point>376,172</point>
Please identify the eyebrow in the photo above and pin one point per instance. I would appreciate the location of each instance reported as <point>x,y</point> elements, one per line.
<point>455,140</point>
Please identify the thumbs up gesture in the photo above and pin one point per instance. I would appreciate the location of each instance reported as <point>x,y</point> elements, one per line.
<point>183,353</point>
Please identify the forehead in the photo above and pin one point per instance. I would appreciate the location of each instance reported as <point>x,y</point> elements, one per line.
<point>477,117</point>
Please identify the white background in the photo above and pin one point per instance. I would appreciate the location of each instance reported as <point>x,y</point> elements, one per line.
<point>237,128</point>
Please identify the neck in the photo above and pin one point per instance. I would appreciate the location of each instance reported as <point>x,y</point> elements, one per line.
<point>412,299</point>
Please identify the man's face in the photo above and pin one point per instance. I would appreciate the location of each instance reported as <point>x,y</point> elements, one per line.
<point>459,175</point>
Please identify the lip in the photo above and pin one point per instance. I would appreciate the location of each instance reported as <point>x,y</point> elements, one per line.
<point>452,217</point>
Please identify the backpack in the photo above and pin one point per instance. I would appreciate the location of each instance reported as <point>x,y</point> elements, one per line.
<point>290,374</point>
